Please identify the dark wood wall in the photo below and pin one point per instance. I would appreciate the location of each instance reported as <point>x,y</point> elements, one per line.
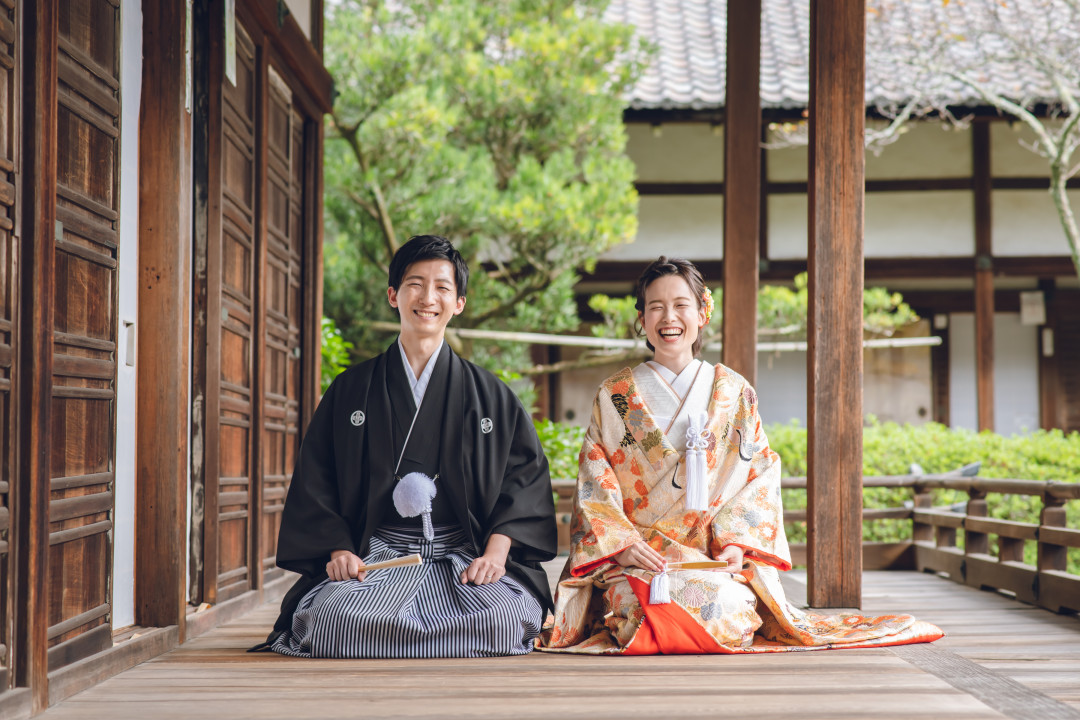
<point>255,308</point>
<point>59,161</point>
<point>9,92</point>
<point>257,230</point>
<point>83,429</point>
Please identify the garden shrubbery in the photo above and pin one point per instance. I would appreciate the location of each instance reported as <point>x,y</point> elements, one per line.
<point>891,449</point>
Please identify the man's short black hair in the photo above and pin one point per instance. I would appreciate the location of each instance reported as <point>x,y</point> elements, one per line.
<point>429,247</point>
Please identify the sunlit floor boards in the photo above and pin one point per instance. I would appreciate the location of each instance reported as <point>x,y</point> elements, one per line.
<point>1000,659</point>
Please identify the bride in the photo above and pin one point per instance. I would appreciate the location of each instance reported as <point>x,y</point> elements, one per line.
<point>675,469</point>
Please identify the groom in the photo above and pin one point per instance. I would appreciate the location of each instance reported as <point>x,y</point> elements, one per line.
<point>418,407</point>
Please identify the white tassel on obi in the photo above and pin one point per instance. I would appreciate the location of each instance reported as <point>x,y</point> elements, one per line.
<point>660,589</point>
<point>697,481</point>
<point>412,497</point>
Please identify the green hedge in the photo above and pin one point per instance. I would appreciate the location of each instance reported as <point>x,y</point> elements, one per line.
<point>891,449</point>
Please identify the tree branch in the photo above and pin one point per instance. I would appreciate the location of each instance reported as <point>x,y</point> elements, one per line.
<point>523,293</point>
<point>351,135</point>
<point>587,361</point>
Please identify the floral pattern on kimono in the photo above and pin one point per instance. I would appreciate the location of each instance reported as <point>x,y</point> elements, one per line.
<point>631,488</point>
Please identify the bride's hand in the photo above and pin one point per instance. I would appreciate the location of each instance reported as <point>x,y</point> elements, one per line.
<point>641,555</point>
<point>734,556</point>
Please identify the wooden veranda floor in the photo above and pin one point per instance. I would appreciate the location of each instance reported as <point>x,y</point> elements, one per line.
<point>1000,658</point>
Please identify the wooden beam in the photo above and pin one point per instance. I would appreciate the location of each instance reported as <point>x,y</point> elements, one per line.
<point>834,334</point>
<point>742,181</point>
<point>165,214</point>
<point>301,57</point>
<point>875,269</point>
<point>984,277</point>
<point>37,215</point>
<point>311,338</point>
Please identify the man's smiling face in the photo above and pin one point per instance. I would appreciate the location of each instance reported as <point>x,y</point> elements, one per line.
<point>427,298</point>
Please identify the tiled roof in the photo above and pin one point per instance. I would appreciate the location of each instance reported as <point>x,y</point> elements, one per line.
<point>688,70</point>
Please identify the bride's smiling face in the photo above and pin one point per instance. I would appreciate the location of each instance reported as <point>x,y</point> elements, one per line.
<point>672,318</point>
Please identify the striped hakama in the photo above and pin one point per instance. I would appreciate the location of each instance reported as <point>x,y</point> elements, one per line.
<point>420,611</point>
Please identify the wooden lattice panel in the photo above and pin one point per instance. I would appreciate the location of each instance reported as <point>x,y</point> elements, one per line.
<point>8,294</point>
<point>237,323</point>
<point>284,244</point>
<point>82,436</point>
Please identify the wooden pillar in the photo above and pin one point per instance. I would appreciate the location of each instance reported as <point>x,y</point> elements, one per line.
<point>37,217</point>
<point>984,277</point>
<point>742,187</point>
<point>311,339</point>
<point>165,215</point>
<point>834,334</point>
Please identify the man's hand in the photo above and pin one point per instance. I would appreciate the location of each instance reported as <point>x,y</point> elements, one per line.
<point>641,555</point>
<point>491,566</point>
<point>734,556</point>
<point>344,565</point>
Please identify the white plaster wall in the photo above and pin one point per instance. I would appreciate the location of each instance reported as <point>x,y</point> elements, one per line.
<point>896,224</point>
<point>301,10</point>
<point>686,225</point>
<point>683,152</point>
<point>924,150</point>
<point>919,224</point>
<point>786,164</point>
<point>896,385</point>
<point>788,217</point>
<point>781,387</point>
<point>123,601</point>
<point>1008,155</point>
<point>962,407</point>
<point>1016,377</point>
<point>1025,222</point>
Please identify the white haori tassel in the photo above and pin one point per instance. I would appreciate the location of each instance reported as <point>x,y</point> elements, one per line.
<point>697,481</point>
<point>412,497</point>
<point>660,589</point>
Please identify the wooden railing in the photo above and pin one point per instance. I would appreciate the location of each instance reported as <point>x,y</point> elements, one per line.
<point>935,532</point>
<point>934,546</point>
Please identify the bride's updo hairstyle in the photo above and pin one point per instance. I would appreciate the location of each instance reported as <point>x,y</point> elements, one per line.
<point>660,267</point>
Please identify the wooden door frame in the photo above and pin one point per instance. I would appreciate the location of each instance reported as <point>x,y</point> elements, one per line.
<point>37,221</point>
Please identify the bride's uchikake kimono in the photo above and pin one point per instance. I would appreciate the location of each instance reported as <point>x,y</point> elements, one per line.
<point>632,487</point>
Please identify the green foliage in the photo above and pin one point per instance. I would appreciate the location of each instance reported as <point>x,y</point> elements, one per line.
<point>618,316</point>
<point>335,352</point>
<point>890,449</point>
<point>562,445</point>
<point>781,312</point>
<point>496,124</point>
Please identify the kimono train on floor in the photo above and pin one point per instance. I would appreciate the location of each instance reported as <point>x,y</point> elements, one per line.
<point>492,478</point>
<point>632,487</point>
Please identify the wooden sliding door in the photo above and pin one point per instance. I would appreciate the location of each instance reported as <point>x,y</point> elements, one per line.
<point>250,314</point>
<point>82,436</point>
<point>9,286</point>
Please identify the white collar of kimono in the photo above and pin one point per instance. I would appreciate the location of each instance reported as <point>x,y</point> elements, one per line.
<point>681,382</point>
<point>419,384</point>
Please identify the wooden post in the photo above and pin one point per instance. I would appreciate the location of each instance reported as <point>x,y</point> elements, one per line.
<point>165,213</point>
<point>742,187</point>
<point>258,321</point>
<point>37,216</point>
<point>311,338</point>
<point>976,543</point>
<point>984,277</point>
<point>834,334</point>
